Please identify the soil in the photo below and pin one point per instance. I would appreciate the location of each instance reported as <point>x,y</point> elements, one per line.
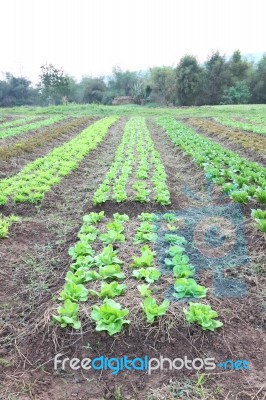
<point>34,261</point>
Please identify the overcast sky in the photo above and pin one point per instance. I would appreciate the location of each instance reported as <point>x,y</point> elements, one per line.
<point>89,37</point>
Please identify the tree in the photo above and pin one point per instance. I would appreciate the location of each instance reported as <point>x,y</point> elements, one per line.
<point>16,91</point>
<point>238,94</point>
<point>258,84</point>
<point>122,82</point>
<point>189,77</point>
<point>239,68</point>
<point>217,78</point>
<point>94,90</point>
<point>53,85</point>
<point>163,85</point>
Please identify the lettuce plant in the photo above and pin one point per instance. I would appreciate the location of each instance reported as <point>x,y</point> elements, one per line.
<point>110,290</point>
<point>74,292</point>
<point>203,315</point>
<point>188,287</point>
<point>144,290</point>
<point>152,309</point>
<point>109,317</point>
<point>81,275</point>
<point>112,236</point>
<point>174,239</point>
<point>183,271</point>
<point>93,217</point>
<point>108,256</point>
<point>178,259</point>
<point>80,249</point>
<point>111,272</point>
<point>122,218</point>
<point>149,274</point>
<point>147,217</point>
<point>146,259</point>
<point>83,262</point>
<point>169,217</point>
<point>175,250</point>
<point>68,315</point>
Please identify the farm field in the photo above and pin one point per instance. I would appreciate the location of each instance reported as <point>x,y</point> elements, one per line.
<point>133,231</point>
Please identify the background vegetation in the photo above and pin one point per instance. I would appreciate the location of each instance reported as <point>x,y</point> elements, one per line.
<point>217,81</point>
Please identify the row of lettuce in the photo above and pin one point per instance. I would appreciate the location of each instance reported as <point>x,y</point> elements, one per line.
<point>242,180</point>
<point>12,129</point>
<point>36,179</point>
<point>106,268</point>
<point>251,124</point>
<point>137,172</point>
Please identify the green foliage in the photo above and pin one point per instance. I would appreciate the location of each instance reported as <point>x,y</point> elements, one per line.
<point>169,217</point>
<point>74,292</point>
<point>202,315</point>
<point>174,239</point>
<point>183,271</point>
<point>189,80</point>
<point>81,275</point>
<point>147,217</point>
<point>111,272</point>
<point>153,310</point>
<point>37,177</point>
<point>109,317</point>
<point>112,289</point>
<point>53,85</point>
<point>188,287</point>
<point>112,236</point>
<point>144,290</point>
<point>146,259</point>
<point>149,274</point>
<point>93,217</point>
<point>108,256</point>
<point>80,249</point>
<point>145,233</point>
<point>240,196</point>
<point>6,223</point>
<point>68,315</point>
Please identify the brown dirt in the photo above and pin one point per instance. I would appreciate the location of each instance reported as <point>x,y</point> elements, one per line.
<point>33,265</point>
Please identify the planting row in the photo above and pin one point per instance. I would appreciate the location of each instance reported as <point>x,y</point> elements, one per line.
<point>245,126</point>
<point>137,172</point>
<point>29,127</point>
<point>36,179</point>
<point>252,142</point>
<point>6,223</point>
<point>29,144</point>
<point>240,179</point>
<point>16,122</point>
<point>105,271</point>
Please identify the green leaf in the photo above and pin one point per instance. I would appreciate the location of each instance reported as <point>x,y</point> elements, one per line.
<point>146,259</point>
<point>188,287</point>
<point>107,257</point>
<point>144,290</point>
<point>202,315</point>
<point>111,271</point>
<point>112,236</point>
<point>68,315</point>
<point>153,310</point>
<point>74,292</point>
<point>109,317</point>
<point>149,274</point>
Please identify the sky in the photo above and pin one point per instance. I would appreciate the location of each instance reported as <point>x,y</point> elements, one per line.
<point>90,37</point>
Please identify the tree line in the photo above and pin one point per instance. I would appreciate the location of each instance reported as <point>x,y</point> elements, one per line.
<point>216,81</point>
